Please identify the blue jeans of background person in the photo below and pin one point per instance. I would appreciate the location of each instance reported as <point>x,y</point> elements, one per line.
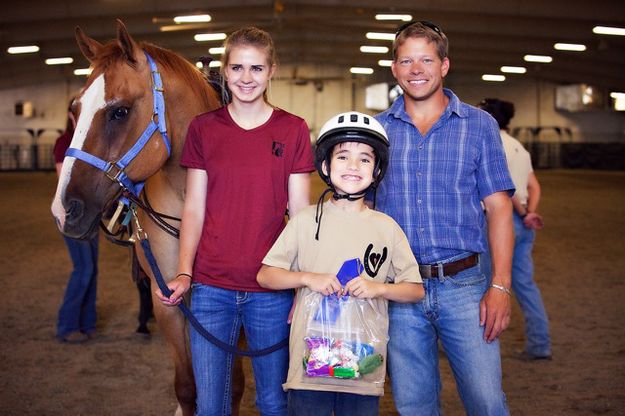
<point>537,340</point>
<point>328,403</point>
<point>78,311</point>
<point>263,316</point>
<point>450,313</point>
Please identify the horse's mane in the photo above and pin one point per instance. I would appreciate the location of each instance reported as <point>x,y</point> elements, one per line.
<point>168,60</point>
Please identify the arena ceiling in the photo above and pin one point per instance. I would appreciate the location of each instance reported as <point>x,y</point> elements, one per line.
<point>484,34</point>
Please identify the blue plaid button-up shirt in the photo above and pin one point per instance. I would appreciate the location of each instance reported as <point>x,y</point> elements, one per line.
<point>434,183</point>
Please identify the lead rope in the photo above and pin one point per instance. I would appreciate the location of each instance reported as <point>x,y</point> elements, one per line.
<point>147,250</point>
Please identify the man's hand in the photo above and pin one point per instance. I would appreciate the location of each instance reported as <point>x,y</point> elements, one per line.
<point>495,311</point>
<point>534,221</point>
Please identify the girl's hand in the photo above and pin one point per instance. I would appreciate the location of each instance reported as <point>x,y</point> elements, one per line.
<point>179,286</point>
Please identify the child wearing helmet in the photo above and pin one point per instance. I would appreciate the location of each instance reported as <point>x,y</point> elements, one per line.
<point>351,157</point>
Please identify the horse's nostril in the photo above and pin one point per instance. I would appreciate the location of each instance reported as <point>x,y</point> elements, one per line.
<point>75,209</point>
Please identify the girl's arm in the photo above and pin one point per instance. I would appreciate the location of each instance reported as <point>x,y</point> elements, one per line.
<point>190,232</point>
<point>299,192</point>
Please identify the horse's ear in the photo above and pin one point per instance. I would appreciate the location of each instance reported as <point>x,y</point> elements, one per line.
<point>89,47</point>
<point>128,45</point>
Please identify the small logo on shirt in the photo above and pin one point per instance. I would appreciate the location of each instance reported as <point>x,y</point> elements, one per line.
<point>373,261</point>
<point>277,149</point>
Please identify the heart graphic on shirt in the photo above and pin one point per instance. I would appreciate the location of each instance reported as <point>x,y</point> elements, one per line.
<point>373,261</point>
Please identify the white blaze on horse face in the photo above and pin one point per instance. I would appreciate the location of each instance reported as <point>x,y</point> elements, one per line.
<point>91,102</point>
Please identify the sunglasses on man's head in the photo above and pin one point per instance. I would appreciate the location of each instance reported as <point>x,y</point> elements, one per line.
<point>425,23</point>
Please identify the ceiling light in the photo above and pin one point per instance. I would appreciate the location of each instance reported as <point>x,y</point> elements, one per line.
<point>607,30</point>
<point>374,49</point>
<point>194,18</point>
<point>617,95</point>
<point>543,59</point>
<point>361,70</point>
<point>204,37</point>
<point>513,69</point>
<point>576,47</point>
<point>199,64</point>
<point>59,61</point>
<point>188,26</point>
<point>384,16</point>
<point>23,49</point>
<point>214,64</point>
<point>493,77</point>
<point>385,62</point>
<point>217,51</point>
<point>380,36</point>
<point>83,71</point>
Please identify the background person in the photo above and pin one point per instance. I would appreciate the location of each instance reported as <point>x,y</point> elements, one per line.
<point>246,161</point>
<point>77,315</point>
<point>526,221</point>
<point>445,159</point>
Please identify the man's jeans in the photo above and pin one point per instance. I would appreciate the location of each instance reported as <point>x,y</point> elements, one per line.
<point>537,340</point>
<point>222,312</point>
<point>78,311</point>
<point>449,312</point>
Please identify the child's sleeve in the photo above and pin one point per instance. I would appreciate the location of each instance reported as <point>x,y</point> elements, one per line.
<point>404,267</point>
<point>283,253</point>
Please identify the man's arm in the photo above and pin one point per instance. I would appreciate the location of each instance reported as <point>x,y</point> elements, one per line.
<point>495,305</point>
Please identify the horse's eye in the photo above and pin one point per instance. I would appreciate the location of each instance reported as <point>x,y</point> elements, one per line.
<point>120,113</point>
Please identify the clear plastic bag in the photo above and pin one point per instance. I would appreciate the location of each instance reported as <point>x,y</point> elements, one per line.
<point>345,338</point>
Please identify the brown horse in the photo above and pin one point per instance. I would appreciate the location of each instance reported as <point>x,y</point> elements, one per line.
<point>113,109</point>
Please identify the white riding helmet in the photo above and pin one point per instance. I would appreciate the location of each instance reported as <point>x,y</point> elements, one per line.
<point>352,127</point>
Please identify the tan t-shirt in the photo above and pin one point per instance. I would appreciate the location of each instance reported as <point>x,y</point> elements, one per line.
<point>380,244</point>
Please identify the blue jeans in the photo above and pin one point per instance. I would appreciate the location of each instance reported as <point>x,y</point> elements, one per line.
<point>537,340</point>
<point>263,316</point>
<point>78,311</point>
<point>328,403</point>
<point>449,313</point>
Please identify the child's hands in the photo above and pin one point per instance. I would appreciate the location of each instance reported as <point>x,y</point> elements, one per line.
<point>326,284</point>
<point>362,288</point>
<point>179,286</point>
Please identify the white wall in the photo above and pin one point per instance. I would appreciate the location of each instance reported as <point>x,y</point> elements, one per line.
<point>324,91</point>
<point>534,101</point>
<point>50,110</point>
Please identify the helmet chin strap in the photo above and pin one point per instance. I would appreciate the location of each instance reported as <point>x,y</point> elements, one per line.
<point>350,197</point>
<point>336,196</point>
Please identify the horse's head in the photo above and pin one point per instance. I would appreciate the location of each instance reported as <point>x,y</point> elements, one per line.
<point>113,110</point>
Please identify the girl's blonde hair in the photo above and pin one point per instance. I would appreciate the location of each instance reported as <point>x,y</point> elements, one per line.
<point>249,36</point>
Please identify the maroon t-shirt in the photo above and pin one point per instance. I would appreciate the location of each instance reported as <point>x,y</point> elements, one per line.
<point>61,145</point>
<point>247,191</point>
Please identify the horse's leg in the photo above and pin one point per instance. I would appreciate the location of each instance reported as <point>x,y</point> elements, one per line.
<point>145,304</point>
<point>171,322</point>
<point>238,378</point>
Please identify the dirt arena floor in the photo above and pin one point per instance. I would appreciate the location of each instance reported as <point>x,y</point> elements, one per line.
<point>580,267</point>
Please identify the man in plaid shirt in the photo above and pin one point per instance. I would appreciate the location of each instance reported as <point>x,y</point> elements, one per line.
<point>446,160</point>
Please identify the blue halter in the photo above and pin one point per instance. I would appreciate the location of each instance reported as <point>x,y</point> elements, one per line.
<point>115,170</point>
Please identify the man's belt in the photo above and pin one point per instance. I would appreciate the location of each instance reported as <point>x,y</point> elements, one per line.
<point>429,271</point>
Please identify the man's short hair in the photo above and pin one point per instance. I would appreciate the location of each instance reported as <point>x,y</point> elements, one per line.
<point>422,29</point>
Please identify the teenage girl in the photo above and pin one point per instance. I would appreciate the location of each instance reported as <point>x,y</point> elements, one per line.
<point>247,163</point>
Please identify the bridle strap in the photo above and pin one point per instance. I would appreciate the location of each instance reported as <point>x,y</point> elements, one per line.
<point>116,170</point>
